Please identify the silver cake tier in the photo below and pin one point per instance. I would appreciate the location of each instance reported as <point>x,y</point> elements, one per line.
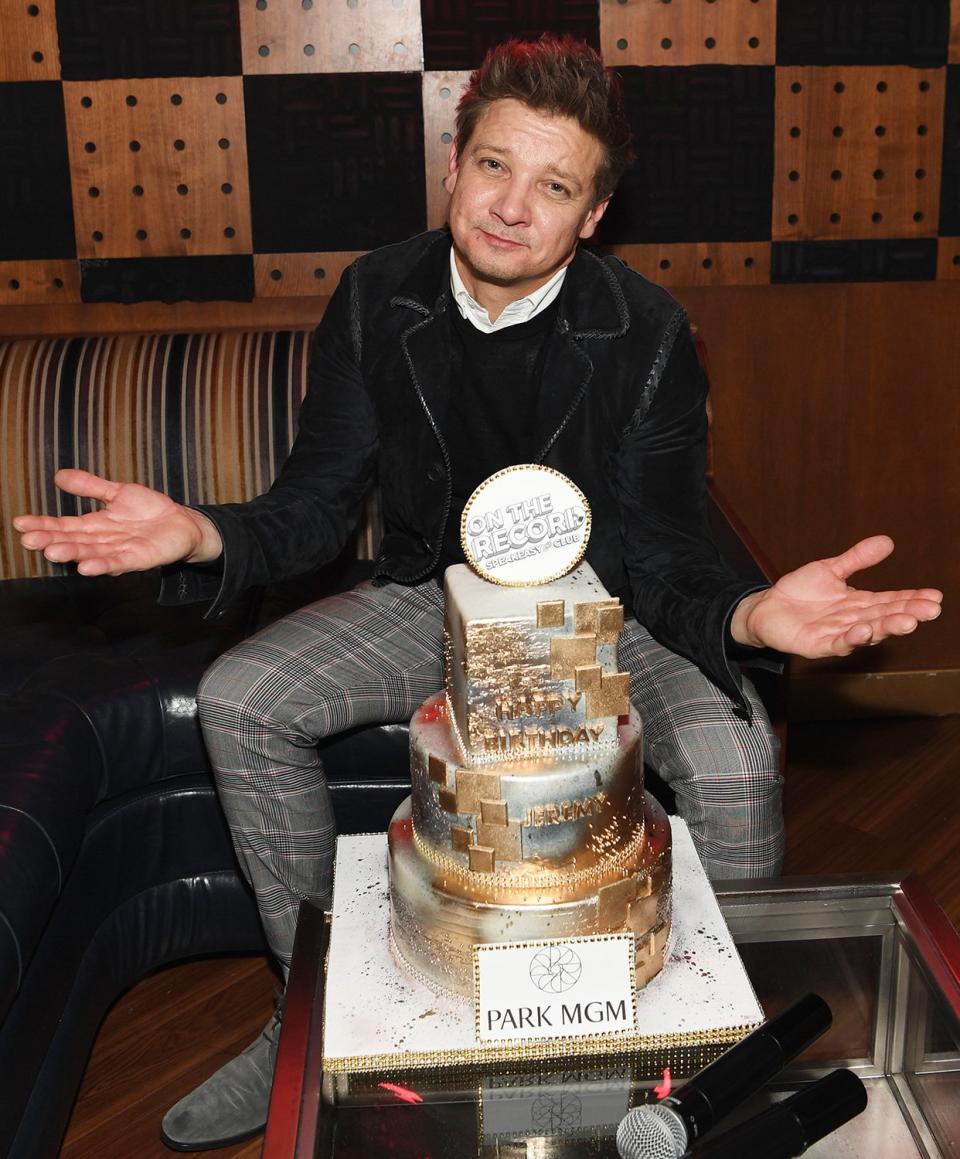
<point>541,816</point>
<point>439,915</point>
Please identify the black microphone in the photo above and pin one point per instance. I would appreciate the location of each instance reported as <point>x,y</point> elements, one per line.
<point>664,1130</point>
<point>789,1127</point>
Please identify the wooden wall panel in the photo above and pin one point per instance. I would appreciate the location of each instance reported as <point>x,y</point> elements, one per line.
<point>652,32</point>
<point>158,167</point>
<point>28,44</point>
<point>54,283</point>
<point>700,263</point>
<point>295,275</point>
<point>948,259</point>
<point>335,92</point>
<point>319,36</point>
<point>151,317</point>
<point>836,415</point>
<point>858,152</point>
<point>441,92</point>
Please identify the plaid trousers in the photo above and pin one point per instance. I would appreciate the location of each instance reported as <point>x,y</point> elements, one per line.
<point>372,655</point>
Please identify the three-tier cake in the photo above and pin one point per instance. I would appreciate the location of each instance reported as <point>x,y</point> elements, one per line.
<point>528,817</point>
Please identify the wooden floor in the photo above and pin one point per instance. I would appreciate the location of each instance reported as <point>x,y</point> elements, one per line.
<point>861,796</point>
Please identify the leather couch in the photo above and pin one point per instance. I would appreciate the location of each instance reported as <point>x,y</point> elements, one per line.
<point>114,855</point>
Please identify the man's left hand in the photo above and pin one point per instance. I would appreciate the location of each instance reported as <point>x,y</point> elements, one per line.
<point>813,612</point>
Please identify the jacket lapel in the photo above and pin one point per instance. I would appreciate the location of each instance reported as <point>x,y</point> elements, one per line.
<point>426,346</point>
<point>425,340</point>
<point>591,307</point>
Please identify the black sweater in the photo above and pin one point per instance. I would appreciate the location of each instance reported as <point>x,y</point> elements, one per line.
<point>491,415</point>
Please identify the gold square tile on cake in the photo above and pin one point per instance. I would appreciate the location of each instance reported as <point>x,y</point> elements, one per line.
<point>550,614</point>
<point>474,786</point>
<point>567,653</point>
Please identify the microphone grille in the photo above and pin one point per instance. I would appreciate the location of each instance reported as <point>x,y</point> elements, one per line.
<point>651,1132</point>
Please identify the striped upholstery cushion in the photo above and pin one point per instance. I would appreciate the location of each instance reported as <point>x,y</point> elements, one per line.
<point>206,418</point>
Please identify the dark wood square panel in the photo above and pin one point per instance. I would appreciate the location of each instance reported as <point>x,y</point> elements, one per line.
<point>457,33</point>
<point>336,161</point>
<point>36,215</point>
<point>832,32</point>
<point>121,38</point>
<point>704,143</point>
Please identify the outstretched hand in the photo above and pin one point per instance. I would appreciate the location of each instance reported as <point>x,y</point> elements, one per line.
<point>135,529</point>
<point>813,612</point>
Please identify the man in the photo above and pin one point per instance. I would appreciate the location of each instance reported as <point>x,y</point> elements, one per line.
<point>438,361</point>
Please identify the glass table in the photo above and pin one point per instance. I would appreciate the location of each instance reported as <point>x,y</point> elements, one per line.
<point>876,948</point>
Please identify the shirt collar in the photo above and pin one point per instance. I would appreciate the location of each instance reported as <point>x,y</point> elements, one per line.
<point>522,310</point>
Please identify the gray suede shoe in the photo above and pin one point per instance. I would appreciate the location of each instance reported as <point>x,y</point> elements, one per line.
<point>232,1104</point>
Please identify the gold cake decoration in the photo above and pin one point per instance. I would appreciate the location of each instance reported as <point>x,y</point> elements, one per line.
<point>602,618</point>
<point>493,812</point>
<point>567,652</point>
<point>610,624</point>
<point>613,901</point>
<point>621,860</point>
<point>612,698</point>
<point>643,910</point>
<point>504,840</point>
<point>437,769</point>
<point>461,838</point>
<point>550,614</point>
<point>482,859</point>
<point>473,786</point>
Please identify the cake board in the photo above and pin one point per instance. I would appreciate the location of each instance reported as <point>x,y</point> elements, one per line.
<point>380,1017</point>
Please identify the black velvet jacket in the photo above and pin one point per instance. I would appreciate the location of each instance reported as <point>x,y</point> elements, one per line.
<point>621,412</point>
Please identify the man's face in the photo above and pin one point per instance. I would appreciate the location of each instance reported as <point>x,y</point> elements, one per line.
<point>521,197</point>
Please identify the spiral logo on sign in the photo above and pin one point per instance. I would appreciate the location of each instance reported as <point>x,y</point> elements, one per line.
<point>555,969</point>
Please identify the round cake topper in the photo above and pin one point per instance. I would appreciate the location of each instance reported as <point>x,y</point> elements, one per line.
<point>525,525</point>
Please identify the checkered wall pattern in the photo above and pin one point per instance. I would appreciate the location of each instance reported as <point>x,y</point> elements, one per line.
<point>241,149</point>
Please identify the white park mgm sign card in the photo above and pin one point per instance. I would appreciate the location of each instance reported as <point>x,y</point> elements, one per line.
<point>547,989</point>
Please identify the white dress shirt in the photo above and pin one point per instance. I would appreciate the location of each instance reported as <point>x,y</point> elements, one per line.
<point>522,310</point>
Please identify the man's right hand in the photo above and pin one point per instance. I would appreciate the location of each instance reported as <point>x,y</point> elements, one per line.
<point>135,530</point>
